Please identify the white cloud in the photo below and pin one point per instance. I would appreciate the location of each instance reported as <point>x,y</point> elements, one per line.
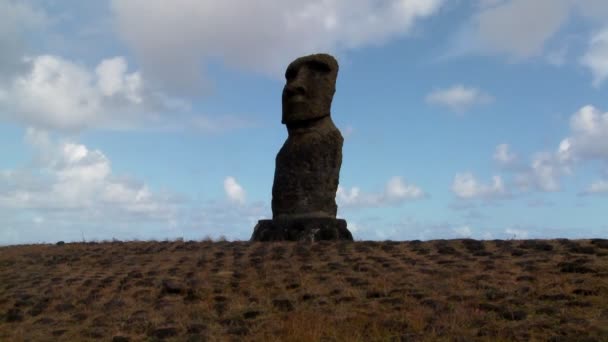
<point>458,98</point>
<point>113,79</point>
<point>594,9</point>
<point>346,197</point>
<point>587,141</point>
<point>463,231</point>
<point>73,177</point>
<point>495,31</point>
<point>234,190</point>
<point>466,186</point>
<point>16,19</point>
<point>544,173</point>
<point>597,188</point>
<point>589,136</point>
<point>56,93</point>
<point>60,95</point>
<point>596,57</point>
<point>503,156</point>
<point>69,190</point>
<point>354,227</point>
<point>491,30</point>
<point>172,41</point>
<point>76,177</point>
<point>396,191</point>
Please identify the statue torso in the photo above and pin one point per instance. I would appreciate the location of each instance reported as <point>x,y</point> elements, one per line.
<point>307,172</point>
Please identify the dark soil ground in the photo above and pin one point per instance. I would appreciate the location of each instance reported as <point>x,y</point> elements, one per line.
<point>444,290</point>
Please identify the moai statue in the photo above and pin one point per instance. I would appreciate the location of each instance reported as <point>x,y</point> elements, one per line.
<point>308,165</point>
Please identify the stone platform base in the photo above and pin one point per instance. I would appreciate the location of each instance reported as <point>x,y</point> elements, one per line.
<point>302,229</point>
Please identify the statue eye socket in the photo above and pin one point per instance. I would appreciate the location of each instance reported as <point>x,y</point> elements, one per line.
<point>319,67</point>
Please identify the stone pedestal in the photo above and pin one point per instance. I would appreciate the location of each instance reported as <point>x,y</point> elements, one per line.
<point>301,229</point>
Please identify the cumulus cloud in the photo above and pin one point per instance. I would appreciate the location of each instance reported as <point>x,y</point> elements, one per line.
<point>594,9</point>
<point>112,79</point>
<point>466,186</point>
<point>70,176</point>
<point>596,57</point>
<point>491,31</point>
<point>234,190</point>
<point>504,157</point>
<point>60,95</point>
<point>71,186</point>
<point>463,231</point>
<point>16,19</point>
<point>587,141</point>
<point>56,93</point>
<point>588,138</point>
<point>494,30</point>
<point>458,98</point>
<point>396,191</point>
<point>491,27</point>
<point>544,172</point>
<point>173,41</point>
<point>599,187</point>
<point>69,191</point>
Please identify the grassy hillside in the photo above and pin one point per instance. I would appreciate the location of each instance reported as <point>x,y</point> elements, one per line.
<point>454,290</point>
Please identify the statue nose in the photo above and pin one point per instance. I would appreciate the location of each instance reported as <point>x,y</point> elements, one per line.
<point>298,83</point>
<point>296,87</point>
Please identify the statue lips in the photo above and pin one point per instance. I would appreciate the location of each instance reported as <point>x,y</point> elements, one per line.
<point>297,98</point>
<point>297,103</point>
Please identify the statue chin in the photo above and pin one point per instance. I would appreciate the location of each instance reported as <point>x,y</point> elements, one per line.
<point>297,114</point>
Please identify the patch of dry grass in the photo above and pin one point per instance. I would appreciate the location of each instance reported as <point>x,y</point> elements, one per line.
<point>467,290</point>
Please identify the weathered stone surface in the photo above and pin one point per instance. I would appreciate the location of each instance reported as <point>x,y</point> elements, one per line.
<point>301,229</point>
<point>308,165</point>
<point>307,172</point>
<point>309,88</point>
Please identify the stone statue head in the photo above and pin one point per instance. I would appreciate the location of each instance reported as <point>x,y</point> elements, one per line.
<point>309,88</point>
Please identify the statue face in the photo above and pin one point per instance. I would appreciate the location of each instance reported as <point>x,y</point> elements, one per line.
<point>310,87</point>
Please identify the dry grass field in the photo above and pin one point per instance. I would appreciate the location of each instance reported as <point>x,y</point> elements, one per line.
<point>444,290</point>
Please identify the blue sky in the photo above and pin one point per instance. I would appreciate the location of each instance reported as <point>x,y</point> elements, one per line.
<point>138,120</point>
